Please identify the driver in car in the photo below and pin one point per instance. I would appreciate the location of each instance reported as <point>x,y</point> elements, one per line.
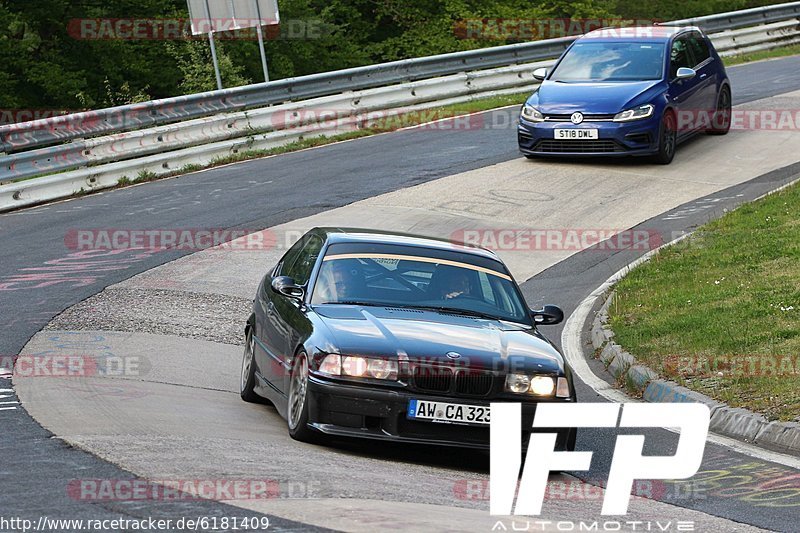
<point>450,282</point>
<point>343,280</point>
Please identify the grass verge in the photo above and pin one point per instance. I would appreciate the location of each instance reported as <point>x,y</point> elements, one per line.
<point>783,51</point>
<point>720,312</point>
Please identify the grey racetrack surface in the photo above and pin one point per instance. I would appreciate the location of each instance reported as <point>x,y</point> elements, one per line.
<point>35,469</point>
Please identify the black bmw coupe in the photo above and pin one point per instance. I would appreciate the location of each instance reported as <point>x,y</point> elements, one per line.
<point>357,333</point>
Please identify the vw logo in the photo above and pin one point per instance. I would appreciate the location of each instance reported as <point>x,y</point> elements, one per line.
<point>576,118</point>
<point>453,355</point>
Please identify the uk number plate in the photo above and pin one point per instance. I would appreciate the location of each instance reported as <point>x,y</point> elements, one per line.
<point>575,133</point>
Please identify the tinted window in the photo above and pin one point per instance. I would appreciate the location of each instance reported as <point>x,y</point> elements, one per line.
<point>699,48</point>
<point>289,257</point>
<point>302,265</point>
<point>393,279</point>
<point>616,61</point>
<point>679,56</point>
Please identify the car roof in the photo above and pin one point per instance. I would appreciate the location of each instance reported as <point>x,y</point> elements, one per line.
<point>356,235</point>
<point>638,33</point>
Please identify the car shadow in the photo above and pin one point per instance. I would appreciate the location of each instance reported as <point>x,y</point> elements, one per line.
<point>464,459</point>
<point>619,162</point>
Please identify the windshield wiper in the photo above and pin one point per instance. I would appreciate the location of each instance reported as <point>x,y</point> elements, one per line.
<point>456,311</point>
<point>355,302</point>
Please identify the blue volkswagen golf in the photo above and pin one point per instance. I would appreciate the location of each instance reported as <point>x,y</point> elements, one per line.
<point>627,91</point>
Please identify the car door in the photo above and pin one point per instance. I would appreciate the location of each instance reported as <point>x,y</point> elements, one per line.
<point>288,322</point>
<point>707,74</point>
<point>684,94</point>
<point>267,351</point>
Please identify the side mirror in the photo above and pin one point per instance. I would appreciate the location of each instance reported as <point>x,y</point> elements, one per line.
<point>540,74</point>
<point>548,315</point>
<point>286,286</point>
<point>685,73</point>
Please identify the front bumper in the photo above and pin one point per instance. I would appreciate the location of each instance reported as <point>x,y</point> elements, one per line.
<point>345,410</point>
<point>615,139</point>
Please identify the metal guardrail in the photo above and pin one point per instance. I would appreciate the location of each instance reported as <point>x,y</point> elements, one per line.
<point>223,126</point>
<point>742,19</point>
<point>28,135</point>
<point>166,136</point>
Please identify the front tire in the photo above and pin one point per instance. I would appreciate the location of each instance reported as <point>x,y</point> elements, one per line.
<point>297,409</point>
<point>248,377</point>
<point>667,140</point>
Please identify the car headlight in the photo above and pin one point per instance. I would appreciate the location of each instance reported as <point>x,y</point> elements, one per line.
<point>637,113</point>
<point>537,385</point>
<point>358,367</point>
<point>518,383</point>
<point>543,385</point>
<point>531,114</point>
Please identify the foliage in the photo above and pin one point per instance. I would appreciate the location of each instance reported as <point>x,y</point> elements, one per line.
<point>44,66</point>
<point>197,68</point>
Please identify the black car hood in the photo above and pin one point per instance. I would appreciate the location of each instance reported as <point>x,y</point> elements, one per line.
<point>430,335</point>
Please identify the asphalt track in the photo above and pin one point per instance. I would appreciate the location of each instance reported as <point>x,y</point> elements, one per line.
<point>40,277</point>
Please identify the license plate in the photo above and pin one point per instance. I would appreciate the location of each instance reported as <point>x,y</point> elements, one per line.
<point>448,413</point>
<point>576,133</point>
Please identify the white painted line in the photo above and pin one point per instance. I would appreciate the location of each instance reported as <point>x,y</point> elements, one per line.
<point>573,352</point>
<point>7,408</point>
<point>9,403</point>
<point>7,390</point>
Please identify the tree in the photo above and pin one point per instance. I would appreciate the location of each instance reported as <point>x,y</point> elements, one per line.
<point>196,65</point>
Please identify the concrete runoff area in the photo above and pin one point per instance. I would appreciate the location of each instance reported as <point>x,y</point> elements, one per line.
<point>162,426</point>
<point>184,415</point>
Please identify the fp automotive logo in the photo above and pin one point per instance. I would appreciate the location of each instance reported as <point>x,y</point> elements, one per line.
<point>627,465</point>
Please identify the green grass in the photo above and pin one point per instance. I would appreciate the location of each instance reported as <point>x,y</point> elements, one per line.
<point>764,54</point>
<point>309,142</point>
<point>730,291</point>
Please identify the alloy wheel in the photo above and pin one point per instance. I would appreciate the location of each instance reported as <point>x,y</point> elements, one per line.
<point>247,361</point>
<point>297,391</point>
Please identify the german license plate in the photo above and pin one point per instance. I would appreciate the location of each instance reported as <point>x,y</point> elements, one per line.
<point>576,133</point>
<point>448,413</point>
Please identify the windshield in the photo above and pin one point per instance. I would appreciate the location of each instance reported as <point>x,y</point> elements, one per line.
<point>399,280</point>
<point>611,61</point>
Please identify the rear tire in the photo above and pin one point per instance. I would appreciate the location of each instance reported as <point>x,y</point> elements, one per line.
<point>721,121</point>
<point>667,140</point>
<point>297,409</point>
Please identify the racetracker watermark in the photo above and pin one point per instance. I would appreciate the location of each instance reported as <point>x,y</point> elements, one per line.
<point>740,119</point>
<point>628,464</point>
<point>576,490</point>
<point>333,118</point>
<point>190,489</point>
<point>565,239</point>
<point>524,29</point>
<point>14,116</point>
<point>733,365</point>
<point>184,239</point>
<point>130,29</point>
<point>73,366</point>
